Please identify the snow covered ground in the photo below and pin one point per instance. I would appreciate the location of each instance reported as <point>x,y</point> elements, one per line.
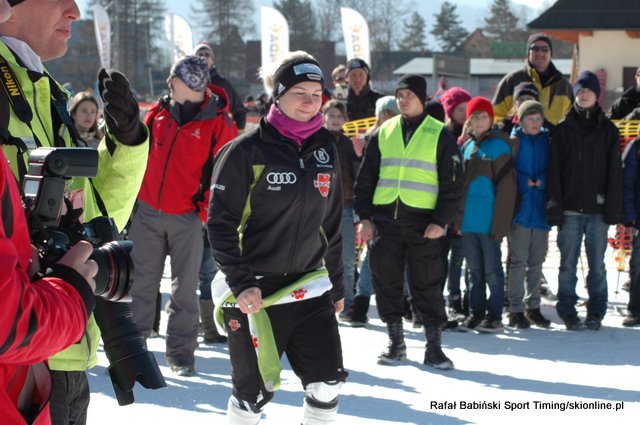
<point>525,376</point>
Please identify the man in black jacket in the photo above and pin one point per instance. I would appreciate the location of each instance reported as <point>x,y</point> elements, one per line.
<point>628,103</point>
<point>235,101</point>
<point>361,100</point>
<point>584,196</point>
<point>409,187</point>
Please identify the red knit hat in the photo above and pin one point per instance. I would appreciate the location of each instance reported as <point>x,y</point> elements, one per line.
<point>452,98</point>
<point>479,103</point>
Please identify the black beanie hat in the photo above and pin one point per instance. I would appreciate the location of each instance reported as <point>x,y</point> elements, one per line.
<point>293,71</point>
<point>358,63</point>
<point>414,82</point>
<point>14,2</point>
<point>528,88</point>
<point>587,80</point>
<point>539,37</point>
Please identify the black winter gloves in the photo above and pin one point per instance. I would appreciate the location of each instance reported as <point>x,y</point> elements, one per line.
<point>121,110</point>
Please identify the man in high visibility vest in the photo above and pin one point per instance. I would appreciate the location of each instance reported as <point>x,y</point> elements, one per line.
<point>406,193</point>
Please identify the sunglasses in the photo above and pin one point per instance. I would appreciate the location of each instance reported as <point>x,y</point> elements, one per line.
<point>544,49</point>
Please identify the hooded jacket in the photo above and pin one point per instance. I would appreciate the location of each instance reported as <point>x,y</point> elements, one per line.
<point>181,154</point>
<point>585,168</point>
<point>489,191</point>
<point>276,208</point>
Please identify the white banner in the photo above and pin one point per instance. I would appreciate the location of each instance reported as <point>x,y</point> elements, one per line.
<point>102,28</point>
<point>180,36</point>
<point>356,35</point>
<point>275,35</point>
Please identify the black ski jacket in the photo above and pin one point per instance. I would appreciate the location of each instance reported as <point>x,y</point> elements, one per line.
<point>276,208</point>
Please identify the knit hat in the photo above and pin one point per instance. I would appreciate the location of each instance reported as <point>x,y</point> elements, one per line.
<point>387,103</point>
<point>539,37</point>
<point>414,82</point>
<point>478,104</point>
<point>452,98</point>
<point>14,2</point>
<point>193,71</point>
<point>201,46</point>
<point>293,71</point>
<point>358,63</point>
<point>530,107</point>
<point>587,80</point>
<point>526,88</point>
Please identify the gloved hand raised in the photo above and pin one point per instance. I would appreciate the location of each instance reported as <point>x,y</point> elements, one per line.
<point>121,110</point>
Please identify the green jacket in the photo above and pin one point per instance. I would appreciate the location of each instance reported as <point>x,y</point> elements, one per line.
<point>120,172</point>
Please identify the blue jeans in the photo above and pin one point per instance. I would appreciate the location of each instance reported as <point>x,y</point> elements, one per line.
<point>480,251</point>
<point>348,255</point>
<point>456,258</point>
<point>208,269</point>
<point>365,287</point>
<point>594,229</point>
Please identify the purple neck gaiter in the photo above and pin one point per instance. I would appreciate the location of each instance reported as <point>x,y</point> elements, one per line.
<point>292,129</point>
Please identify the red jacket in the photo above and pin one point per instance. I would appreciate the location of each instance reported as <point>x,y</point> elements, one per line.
<point>37,319</point>
<point>180,162</point>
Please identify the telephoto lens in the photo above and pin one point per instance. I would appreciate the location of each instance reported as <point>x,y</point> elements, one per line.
<point>115,270</point>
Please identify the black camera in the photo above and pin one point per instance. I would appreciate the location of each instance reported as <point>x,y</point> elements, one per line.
<point>53,234</point>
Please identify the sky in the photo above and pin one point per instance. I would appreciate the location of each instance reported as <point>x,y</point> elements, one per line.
<point>515,371</point>
<point>471,12</point>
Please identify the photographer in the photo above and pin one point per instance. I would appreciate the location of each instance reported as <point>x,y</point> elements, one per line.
<point>36,32</point>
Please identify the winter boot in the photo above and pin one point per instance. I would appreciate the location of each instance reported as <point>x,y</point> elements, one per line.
<point>360,309</point>
<point>314,415</point>
<point>239,414</point>
<point>536,318</point>
<point>434,356</point>
<point>397,349</point>
<point>211,334</point>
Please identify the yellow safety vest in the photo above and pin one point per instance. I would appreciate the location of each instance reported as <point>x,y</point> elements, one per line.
<point>408,172</point>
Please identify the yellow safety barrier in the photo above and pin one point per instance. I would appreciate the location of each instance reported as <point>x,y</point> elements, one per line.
<point>629,130</point>
<point>352,128</point>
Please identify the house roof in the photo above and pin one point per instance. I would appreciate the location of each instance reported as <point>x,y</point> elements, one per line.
<point>478,66</point>
<point>590,15</point>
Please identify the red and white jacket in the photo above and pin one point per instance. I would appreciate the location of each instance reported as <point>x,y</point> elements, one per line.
<point>178,174</point>
<point>37,319</point>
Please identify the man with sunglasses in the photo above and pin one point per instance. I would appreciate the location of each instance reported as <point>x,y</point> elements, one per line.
<point>555,91</point>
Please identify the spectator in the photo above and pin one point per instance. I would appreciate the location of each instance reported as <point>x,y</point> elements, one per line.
<point>554,89</point>
<point>361,100</point>
<point>172,204</point>
<point>287,171</point>
<point>236,107</point>
<point>529,234</point>
<point>626,107</point>
<point>485,214</point>
<point>349,153</point>
<point>521,93</point>
<point>632,220</point>
<point>250,103</point>
<point>84,113</point>
<point>408,187</point>
<point>340,88</point>
<point>454,101</point>
<point>584,196</point>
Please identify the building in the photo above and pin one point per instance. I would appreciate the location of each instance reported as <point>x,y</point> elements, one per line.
<point>607,36</point>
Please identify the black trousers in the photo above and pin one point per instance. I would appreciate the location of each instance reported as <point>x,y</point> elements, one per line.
<point>69,397</point>
<point>394,246</point>
<point>307,331</point>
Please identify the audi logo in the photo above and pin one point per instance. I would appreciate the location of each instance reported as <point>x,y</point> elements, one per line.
<point>281,178</point>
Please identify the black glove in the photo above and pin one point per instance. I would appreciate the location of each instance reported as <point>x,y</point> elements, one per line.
<point>121,110</point>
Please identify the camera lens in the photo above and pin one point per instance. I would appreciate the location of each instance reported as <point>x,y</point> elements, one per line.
<point>115,270</point>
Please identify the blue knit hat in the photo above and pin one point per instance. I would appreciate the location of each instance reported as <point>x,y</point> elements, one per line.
<point>587,80</point>
<point>193,71</point>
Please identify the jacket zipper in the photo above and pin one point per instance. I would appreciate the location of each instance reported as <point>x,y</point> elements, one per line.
<point>166,165</point>
<point>88,337</point>
<point>304,199</point>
